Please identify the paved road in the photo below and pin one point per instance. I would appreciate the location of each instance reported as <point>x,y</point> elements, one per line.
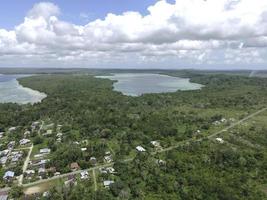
<point>153,153</point>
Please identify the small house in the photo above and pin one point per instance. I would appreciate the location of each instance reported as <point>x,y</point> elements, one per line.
<point>24,141</point>
<point>93,160</point>
<point>11,145</point>
<point>84,175</point>
<point>9,175</point>
<point>111,170</point>
<point>140,149</point>
<point>45,151</point>
<point>108,159</point>
<point>220,140</point>
<point>107,183</point>
<point>12,129</point>
<point>74,166</point>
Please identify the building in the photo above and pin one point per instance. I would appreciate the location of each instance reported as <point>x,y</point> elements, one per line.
<point>29,173</point>
<point>220,140</point>
<point>84,175</point>
<point>93,160</point>
<point>45,151</point>
<point>24,141</point>
<point>83,149</point>
<point>140,149</point>
<point>4,196</point>
<point>3,160</point>
<point>107,183</point>
<point>111,170</point>
<point>11,145</point>
<point>156,144</point>
<point>74,166</point>
<point>12,129</point>
<point>9,175</point>
<point>27,133</point>
<point>4,152</point>
<point>41,172</point>
<point>108,159</point>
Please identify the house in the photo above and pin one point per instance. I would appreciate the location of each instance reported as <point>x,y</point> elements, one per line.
<point>41,172</point>
<point>84,175</point>
<point>108,159</point>
<point>29,173</point>
<point>160,162</point>
<point>83,149</point>
<point>51,170</point>
<point>3,160</point>
<point>12,129</point>
<point>71,181</point>
<point>27,133</point>
<point>4,152</point>
<point>103,170</point>
<point>39,162</point>
<point>4,195</point>
<point>38,155</point>
<point>24,141</point>
<point>220,140</point>
<point>9,175</point>
<point>59,134</point>
<point>11,145</point>
<point>108,183</point>
<point>35,123</point>
<point>156,144</point>
<point>111,170</point>
<point>48,132</point>
<point>45,151</point>
<point>74,166</point>
<point>140,149</point>
<point>93,160</point>
<point>57,174</point>
<point>16,156</point>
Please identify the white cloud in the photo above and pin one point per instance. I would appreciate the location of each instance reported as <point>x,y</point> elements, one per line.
<point>187,32</point>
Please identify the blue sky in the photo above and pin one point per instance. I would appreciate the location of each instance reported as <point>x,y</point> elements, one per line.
<point>13,11</point>
<point>221,34</point>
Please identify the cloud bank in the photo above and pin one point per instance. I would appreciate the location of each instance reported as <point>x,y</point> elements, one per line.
<point>185,33</point>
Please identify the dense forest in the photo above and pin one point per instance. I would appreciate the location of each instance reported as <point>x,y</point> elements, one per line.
<point>89,109</point>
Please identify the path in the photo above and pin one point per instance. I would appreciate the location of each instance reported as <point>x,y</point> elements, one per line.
<point>95,182</point>
<point>25,165</point>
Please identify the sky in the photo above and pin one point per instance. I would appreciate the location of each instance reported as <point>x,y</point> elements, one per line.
<point>166,34</point>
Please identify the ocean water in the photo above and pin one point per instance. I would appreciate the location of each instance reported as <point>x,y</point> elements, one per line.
<point>136,84</point>
<point>12,92</point>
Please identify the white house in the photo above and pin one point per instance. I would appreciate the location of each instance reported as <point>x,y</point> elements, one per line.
<point>108,183</point>
<point>24,141</point>
<point>84,175</point>
<point>9,175</point>
<point>140,149</point>
<point>108,159</point>
<point>12,129</point>
<point>45,151</point>
<point>220,140</point>
<point>111,170</point>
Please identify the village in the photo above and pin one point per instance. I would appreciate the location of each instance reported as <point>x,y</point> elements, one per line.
<point>26,164</point>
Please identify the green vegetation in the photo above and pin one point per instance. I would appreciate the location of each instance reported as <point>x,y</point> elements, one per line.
<point>101,120</point>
